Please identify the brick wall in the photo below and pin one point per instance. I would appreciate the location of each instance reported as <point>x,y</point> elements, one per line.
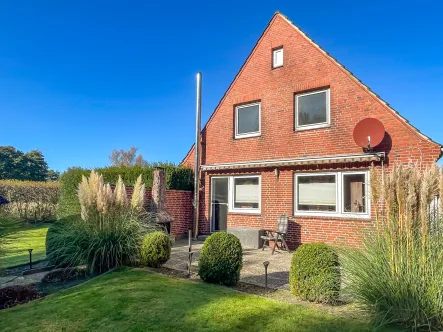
<point>179,206</point>
<point>306,67</point>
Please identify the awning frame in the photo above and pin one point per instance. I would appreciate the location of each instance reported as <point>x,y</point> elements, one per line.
<point>319,160</point>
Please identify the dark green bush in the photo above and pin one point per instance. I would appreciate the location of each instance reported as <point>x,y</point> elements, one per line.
<point>315,273</point>
<point>155,249</point>
<point>178,178</point>
<point>221,259</point>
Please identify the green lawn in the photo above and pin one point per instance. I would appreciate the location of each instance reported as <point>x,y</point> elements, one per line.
<point>136,300</point>
<point>18,243</point>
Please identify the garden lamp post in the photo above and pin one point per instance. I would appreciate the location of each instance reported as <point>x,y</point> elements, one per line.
<point>30,258</point>
<point>266,264</point>
<point>190,263</point>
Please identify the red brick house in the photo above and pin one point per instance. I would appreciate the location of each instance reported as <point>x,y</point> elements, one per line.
<point>281,142</point>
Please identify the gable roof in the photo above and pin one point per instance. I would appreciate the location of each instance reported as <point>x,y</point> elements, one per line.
<point>405,121</point>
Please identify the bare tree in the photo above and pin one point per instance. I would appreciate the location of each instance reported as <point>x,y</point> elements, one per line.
<point>126,158</point>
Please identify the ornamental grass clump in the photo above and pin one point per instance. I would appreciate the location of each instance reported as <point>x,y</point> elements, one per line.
<point>398,274</point>
<point>109,231</point>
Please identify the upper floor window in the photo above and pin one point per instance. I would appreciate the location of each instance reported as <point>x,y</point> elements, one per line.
<point>277,57</point>
<point>312,109</point>
<point>247,120</point>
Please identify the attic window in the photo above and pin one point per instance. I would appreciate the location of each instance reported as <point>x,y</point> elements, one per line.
<point>277,57</point>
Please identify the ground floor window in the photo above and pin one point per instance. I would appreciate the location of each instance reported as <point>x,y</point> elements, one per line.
<point>238,193</point>
<point>332,193</point>
<point>246,193</point>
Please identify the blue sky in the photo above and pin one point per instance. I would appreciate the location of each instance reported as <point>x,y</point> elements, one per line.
<point>80,78</point>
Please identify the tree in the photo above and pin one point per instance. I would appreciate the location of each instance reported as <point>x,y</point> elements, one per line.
<point>52,175</point>
<point>34,166</point>
<point>10,162</point>
<point>127,158</point>
<point>14,164</point>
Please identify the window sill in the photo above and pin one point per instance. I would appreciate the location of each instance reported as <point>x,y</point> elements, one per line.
<point>364,217</point>
<point>276,67</point>
<point>248,212</point>
<point>247,136</point>
<point>312,127</point>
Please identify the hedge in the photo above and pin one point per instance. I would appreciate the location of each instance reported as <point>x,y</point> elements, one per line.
<point>178,178</point>
<point>30,200</point>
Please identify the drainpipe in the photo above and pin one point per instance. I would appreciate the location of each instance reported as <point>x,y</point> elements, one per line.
<point>197,153</point>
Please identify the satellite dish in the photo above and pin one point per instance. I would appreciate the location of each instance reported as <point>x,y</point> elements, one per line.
<point>369,133</point>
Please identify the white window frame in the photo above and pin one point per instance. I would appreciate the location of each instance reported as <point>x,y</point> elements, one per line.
<point>366,194</point>
<point>274,51</point>
<point>231,207</point>
<point>251,134</point>
<point>328,110</point>
<point>339,196</point>
<point>211,221</point>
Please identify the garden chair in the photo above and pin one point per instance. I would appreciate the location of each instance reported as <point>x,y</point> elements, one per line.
<point>278,236</point>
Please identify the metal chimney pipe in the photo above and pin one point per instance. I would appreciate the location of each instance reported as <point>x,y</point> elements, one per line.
<point>197,153</point>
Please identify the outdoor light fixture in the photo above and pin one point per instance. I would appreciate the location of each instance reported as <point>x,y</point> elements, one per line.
<point>30,258</point>
<point>266,264</point>
<point>190,262</point>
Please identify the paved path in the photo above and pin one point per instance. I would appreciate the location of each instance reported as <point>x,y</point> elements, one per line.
<point>252,272</point>
<point>22,280</point>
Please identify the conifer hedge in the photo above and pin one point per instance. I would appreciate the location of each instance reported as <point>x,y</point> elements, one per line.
<point>177,178</point>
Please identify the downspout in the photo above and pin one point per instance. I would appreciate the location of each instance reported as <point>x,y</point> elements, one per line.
<point>197,153</point>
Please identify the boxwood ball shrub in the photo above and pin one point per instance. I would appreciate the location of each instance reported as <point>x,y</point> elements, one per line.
<point>155,249</point>
<point>220,259</point>
<point>315,273</point>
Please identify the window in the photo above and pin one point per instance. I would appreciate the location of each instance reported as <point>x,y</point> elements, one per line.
<point>312,109</point>
<point>246,193</point>
<point>332,194</point>
<point>317,193</point>
<point>247,120</point>
<point>354,192</point>
<point>277,57</point>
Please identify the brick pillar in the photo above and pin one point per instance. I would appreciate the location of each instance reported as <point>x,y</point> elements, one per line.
<point>158,201</point>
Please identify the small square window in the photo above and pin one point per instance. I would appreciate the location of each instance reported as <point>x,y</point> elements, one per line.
<point>277,58</point>
<point>247,120</point>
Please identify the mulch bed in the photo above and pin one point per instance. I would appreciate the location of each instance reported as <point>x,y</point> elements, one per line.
<point>13,295</point>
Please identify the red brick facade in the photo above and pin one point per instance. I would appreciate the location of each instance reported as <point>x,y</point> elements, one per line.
<point>306,67</point>
<point>179,206</point>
